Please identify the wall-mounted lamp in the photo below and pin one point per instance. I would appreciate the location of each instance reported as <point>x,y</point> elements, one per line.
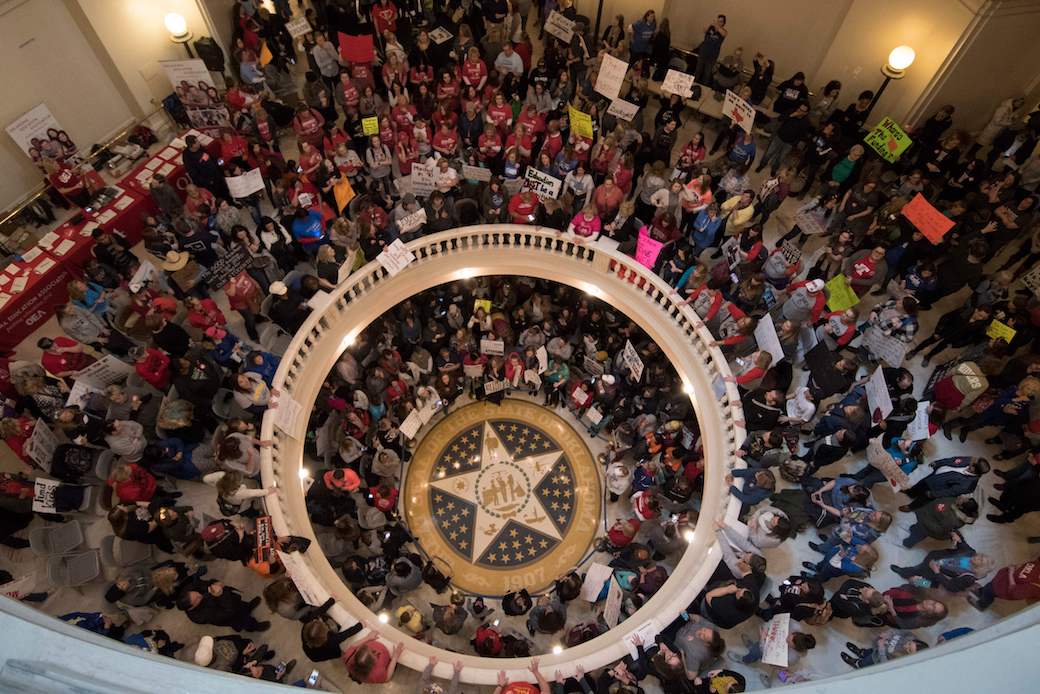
<point>177,25</point>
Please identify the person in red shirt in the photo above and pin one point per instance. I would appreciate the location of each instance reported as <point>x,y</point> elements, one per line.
<point>243,295</point>
<point>384,17</point>
<point>446,141</point>
<point>623,173</point>
<point>232,146</point>
<point>532,120</point>
<point>403,114</point>
<point>387,133</point>
<point>522,140</point>
<point>63,356</point>
<point>67,182</point>
<point>523,206</point>
<point>310,158</point>
<point>384,497</point>
<point>308,125</point>
<point>448,90</point>
<point>346,92</point>
<point>406,152</point>
<point>204,313</point>
<point>421,74</point>
<point>369,662</point>
<point>500,114</point>
<point>489,144</point>
<point>445,116</point>
<point>132,483</point>
<point>607,198</point>
<point>553,142</point>
<point>474,70</point>
<point>1014,582</point>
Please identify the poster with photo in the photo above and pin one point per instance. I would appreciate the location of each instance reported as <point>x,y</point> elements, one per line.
<point>41,137</point>
<point>194,86</point>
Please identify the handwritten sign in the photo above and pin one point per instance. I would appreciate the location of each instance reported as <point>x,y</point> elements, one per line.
<point>476,173</point>
<point>647,249</point>
<point>918,428</point>
<point>888,349</point>
<point>559,26</point>
<point>411,424</point>
<point>645,634</point>
<point>840,295</point>
<point>370,125</point>
<point>612,608</point>
<point>739,111</point>
<point>581,122</point>
<point>311,590</point>
<point>623,110</point>
<point>287,414</point>
<point>611,76</point>
<point>492,347</point>
<point>43,495</point>
<point>592,367</point>
<point>630,358</point>
<point>413,221</point>
<point>878,399</point>
<point>41,445</point>
<point>543,185</point>
<point>774,645</point>
<point>928,220</point>
<point>1032,280</point>
<point>105,372</point>
<point>491,387</point>
<point>228,266</point>
<point>768,340</point>
<point>440,35</point>
<point>298,27</point>
<point>595,577</point>
<point>424,180</point>
<point>888,140</point>
<point>676,82</point>
<point>792,253</point>
<point>1000,331</point>
<point>245,185</point>
<point>395,257</point>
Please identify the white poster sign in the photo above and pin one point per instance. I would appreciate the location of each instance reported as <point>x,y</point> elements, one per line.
<point>1032,280</point>
<point>886,348</point>
<point>645,634</point>
<point>492,347</point>
<point>544,185</point>
<point>765,335</point>
<point>739,111</point>
<point>41,445</point>
<point>413,221</point>
<point>492,387</point>
<point>245,185</point>
<point>440,35</point>
<point>427,411</point>
<point>395,257</point>
<point>595,577</point>
<point>543,359</point>
<point>424,181</point>
<point>187,78</point>
<point>612,608</point>
<point>411,425</point>
<point>918,428</point>
<point>80,391</point>
<point>19,587</point>
<point>43,495</point>
<point>630,358</point>
<point>559,26</point>
<point>286,415</point>
<point>146,274</point>
<point>476,173</point>
<point>623,110</point>
<point>313,593</point>
<point>105,372</point>
<point>611,76</point>
<point>877,395</point>
<point>298,27</point>
<point>774,646</point>
<point>676,82</point>
<point>40,136</point>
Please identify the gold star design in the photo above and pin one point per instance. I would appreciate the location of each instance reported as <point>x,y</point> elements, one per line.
<point>567,493</point>
<point>451,506</point>
<point>516,544</point>
<point>463,544</point>
<point>519,556</point>
<point>441,470</point>
<point>513,427</point>
<point>566,507</point>
<point>438,498</point>
<point>492,557</point>
<point>502,545</point>
<point>562,519</point>
<point>455,518</point>
<point>555,506</point>
<point>509,437</point>
<point>529,539</point>
<point>531,551</point>
<point>512,532</point>
<point>543,543</point>
<point>454,535</point>
<point>464,512</point>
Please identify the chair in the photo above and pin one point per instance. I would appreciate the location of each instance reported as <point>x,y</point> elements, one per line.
<point>56,539</point>
<point>72,570</point>
<point>222,403</point>
<point>103,466</point>
<point>118,552</point>
<point>292,277</point>
<point>269,335</point>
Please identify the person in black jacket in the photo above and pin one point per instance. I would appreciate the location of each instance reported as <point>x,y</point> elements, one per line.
<point>956,569</point>
<point>211,602</point>
<point>203,169</point>
<point>321,639</point>
<point>949,477</point>
<point>859,601</point>
<point>802,597</point>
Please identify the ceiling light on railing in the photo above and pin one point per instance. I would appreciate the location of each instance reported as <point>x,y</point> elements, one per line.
<point>687,388</point>
<point>466,273</point>
<point>688,536</point>
<point>304,473</point>
<point>348,340</point>
<point>384,617</point>
<point>592,290</point>
<point>557,649</point>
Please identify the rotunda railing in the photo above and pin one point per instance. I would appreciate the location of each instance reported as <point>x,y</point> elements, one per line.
<point>508,250</point>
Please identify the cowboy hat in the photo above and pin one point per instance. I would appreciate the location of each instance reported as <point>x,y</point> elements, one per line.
<point>175,260</point>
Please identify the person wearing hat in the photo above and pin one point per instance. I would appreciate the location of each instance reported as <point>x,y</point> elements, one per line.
<point>288,310</point>
<point>184,273</point>
<point>806,301</point>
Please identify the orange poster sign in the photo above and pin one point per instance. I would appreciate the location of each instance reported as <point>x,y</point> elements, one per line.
<point>928,220</point>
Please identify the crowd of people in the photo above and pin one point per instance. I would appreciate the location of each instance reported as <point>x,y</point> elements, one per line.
<point>832,402</point>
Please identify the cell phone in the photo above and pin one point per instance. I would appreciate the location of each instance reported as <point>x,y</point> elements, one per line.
<point>312,679</point>
<point>220,161</point>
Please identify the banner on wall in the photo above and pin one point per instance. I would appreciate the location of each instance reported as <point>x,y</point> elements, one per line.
<point>194,86</point>
<point>40,136</point>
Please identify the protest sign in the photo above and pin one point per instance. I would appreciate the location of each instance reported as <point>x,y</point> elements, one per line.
<point>792,253</point>
<point>595,577</point>
<point>266,55</point>
<point>928,220</point>
<point>739,111</point>
<point>395,257</point>
<point>768,340</point>
<point>298,27</point>
<point>676,82</point>
<point>886,348</point>
<point>491,387</point>
<point>311,590</point>
<point>228,266</point>
<point>31,132</point>
<point>413,221</point>
<point>370,125</point>
<point>612,607</point>
<point>424,180</point>
<point>630,358</point>
<point>623,110</point>
<point>411,424</point>
<point>592,367</point>
<point>645,634</point>
<point>918,427</point>
<point>440,35</point>
<point>647,249</point>
<point>476,173</point>
<point>611,76</point>
<point>559,26</point>
<point>543,185</point>
<point>287,414</point>
<point>581,122</point>
<point>343,192</point>
<point>888,140</point>
<point>105,372</point>
<point>840,295</point>
<point>19,587</point>
<point>43,495</point>
<point>245,185</point>
<point>41,445</point>
<point>878,400</point>
<point>495,348</point>
<point>1000,331</point>
<point>774,646</point>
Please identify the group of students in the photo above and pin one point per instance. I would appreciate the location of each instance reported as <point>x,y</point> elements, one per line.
<point>200,383</point>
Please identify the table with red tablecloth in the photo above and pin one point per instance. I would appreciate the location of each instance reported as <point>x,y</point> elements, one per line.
<point>168,162</point>
<point>25,307</point>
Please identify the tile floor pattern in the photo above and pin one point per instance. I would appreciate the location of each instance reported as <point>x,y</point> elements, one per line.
<point>1005,543</point>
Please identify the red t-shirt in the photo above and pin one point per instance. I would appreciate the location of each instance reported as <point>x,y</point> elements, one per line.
<point>553,143</point>
<point>501,116</point>
<point>378,673</point>
<point>67,180</point>
<point>474,72</point>
<point>350,94</point>
<point>65,362</point>
<point>522,209</point>
<point>490,147</point>
<point>446,141</point>
<point>384,17</point>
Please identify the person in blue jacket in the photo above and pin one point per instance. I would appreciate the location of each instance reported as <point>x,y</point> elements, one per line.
<point>642,36</point>
<point>263,363</point>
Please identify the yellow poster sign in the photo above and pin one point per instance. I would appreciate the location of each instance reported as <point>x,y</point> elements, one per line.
<point>370,125</point>
<point>888,139</point>
<point>840,295</point>
<point>581,122</point>
<point>1000,331</point>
